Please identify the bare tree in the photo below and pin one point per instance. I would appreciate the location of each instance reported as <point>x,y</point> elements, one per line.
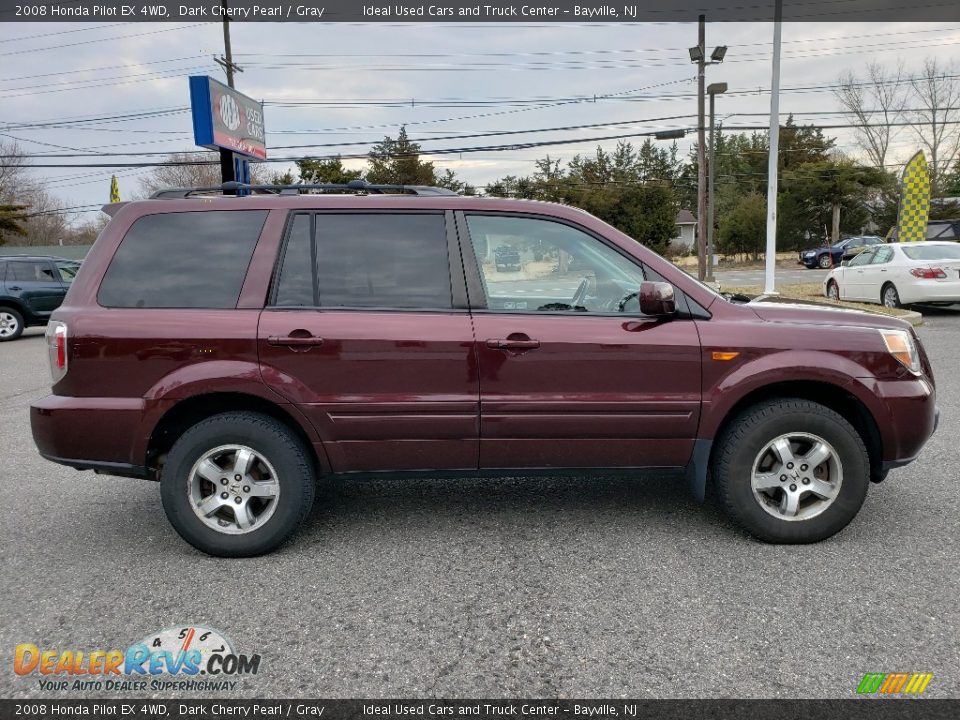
<point>181,172</point>
<point>936,90</point>
<point>876,103</point>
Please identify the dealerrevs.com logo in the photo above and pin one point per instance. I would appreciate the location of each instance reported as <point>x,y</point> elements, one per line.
<point>178,658</point>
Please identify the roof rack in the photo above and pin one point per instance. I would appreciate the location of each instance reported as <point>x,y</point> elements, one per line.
<point>357,187</point>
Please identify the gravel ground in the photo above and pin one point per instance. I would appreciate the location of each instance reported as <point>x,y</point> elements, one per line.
<point>512,587</point>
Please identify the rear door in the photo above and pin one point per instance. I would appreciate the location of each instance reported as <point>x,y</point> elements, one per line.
<point>875,274</point>
<point>571,373</point>
<point>367,330</point>
<point>36,283</point>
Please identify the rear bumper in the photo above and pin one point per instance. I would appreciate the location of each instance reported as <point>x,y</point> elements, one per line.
<point>89,433</point>
<point>931,291</point>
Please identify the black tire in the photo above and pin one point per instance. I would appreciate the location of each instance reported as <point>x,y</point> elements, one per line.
<point>894,299</point>
<point>826,261</point>
<point>832,285</point>
<point>744,438</point>
<point>268,437</point>
<point>16,318</point>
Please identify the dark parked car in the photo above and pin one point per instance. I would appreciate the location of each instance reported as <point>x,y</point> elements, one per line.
<point>31,287</point>
<point>828,257</point>
<point>507,258</point>
<point>283,338</point>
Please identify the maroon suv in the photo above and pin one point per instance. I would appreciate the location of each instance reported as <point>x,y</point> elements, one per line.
<point>237,349</point>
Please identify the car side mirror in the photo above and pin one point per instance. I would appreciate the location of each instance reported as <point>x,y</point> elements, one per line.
<point>844,263</point>
<point>657,299</point>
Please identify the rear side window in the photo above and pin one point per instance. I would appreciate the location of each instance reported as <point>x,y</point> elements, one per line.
<point>183,260</point>
<point>31,271</point>
<point>366,260</point>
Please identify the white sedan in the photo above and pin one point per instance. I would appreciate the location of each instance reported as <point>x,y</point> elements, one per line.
<point>899,274</point>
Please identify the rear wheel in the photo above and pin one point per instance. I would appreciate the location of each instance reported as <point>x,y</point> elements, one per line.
<point>889,296</point>
<point>237,484</point>
<point>825,261</point>
<point>791,471</point>
<point>11,324</point>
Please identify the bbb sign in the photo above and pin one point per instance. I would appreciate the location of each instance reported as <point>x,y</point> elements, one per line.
<point>225,118</point>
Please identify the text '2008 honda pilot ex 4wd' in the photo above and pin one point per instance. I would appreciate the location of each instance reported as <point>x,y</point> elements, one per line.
<point>240,348</point>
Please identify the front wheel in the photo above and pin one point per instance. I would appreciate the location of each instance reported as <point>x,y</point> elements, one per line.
<point>833,290</point>
<point>791,471</point>
<point>11,324</point>
<point>237,484</point>
<point>825,261</point>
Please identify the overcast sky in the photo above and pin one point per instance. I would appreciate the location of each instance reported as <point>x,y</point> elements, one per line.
<point>54,72</point>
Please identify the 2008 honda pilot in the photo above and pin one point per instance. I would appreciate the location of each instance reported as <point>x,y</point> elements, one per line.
<point>239,348</point>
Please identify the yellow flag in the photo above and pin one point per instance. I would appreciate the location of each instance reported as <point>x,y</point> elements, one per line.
<point>914,208</point>
<point>114,190</point>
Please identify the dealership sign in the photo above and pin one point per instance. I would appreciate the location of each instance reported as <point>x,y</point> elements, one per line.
<point>225,118</point>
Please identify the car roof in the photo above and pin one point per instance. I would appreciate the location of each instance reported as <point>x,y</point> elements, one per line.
<point>35,257</point>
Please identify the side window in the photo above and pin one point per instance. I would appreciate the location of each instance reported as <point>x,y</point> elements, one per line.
<point>183,260</point>
<point>295,281</point>
<point>534,265</point>
<point>68,270</point>
<point>31,271</point>
<point>863,258</point>
<point>367,260</point>
<point>882,255</point>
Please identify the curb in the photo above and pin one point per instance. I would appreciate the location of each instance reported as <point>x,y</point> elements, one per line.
<point>911,316</point>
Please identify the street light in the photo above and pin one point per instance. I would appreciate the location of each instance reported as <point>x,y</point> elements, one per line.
<point>698,55</point>
<point>713,90</point>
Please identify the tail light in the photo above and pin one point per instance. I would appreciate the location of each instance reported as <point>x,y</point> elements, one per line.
<point>57,349</point>
<point>928,273</point>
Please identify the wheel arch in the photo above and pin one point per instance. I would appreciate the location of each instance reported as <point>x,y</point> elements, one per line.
<point>832,396</point>
<point>189,411</point>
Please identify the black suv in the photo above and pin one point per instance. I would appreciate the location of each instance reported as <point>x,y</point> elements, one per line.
<point>31,287</point>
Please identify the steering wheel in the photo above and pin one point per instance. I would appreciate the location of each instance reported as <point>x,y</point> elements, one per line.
<point>581,294</point>
<point>622,304</point>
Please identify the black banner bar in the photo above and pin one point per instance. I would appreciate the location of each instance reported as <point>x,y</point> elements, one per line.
<point>485,11</point>
<point>854,709</point>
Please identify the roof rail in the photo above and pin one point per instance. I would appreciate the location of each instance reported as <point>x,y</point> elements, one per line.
<point>358,187</point>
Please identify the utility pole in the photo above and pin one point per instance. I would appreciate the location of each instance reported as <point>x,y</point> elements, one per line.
<point>698,55</point>
<point>769,287</point>
<point>713,90</point>
<point>701,147</point>
<point>228,172</point>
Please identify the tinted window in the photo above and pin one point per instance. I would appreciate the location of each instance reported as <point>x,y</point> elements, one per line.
<point>31,271</point>
<point>295,284</point>
<point>186,260</point>
<point>369,260</point>
<point>535,265</point>
<point>68,270</point>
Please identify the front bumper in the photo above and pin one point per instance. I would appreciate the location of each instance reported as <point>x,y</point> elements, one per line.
<point>907,419</point>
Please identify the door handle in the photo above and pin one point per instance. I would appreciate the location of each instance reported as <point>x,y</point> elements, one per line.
<point>508,344</point>
<point>294,341</point>
<point>16,287</point>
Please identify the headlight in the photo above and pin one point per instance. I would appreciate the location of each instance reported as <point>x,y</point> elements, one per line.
<point>809,254</point>
<point>900,344</point>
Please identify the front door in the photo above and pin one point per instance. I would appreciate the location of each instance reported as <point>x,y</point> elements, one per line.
<point>854,283</point>
<point>571,373</point>
<point>362,333</point>
<point>37,284</point>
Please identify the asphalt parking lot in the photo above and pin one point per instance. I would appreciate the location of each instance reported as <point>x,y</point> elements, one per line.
<point>512,587</point>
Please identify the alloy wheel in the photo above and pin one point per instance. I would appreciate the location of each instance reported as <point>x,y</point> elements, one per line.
<point>233,489</point>
<point>8,325</point>
<point>796,476</point>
